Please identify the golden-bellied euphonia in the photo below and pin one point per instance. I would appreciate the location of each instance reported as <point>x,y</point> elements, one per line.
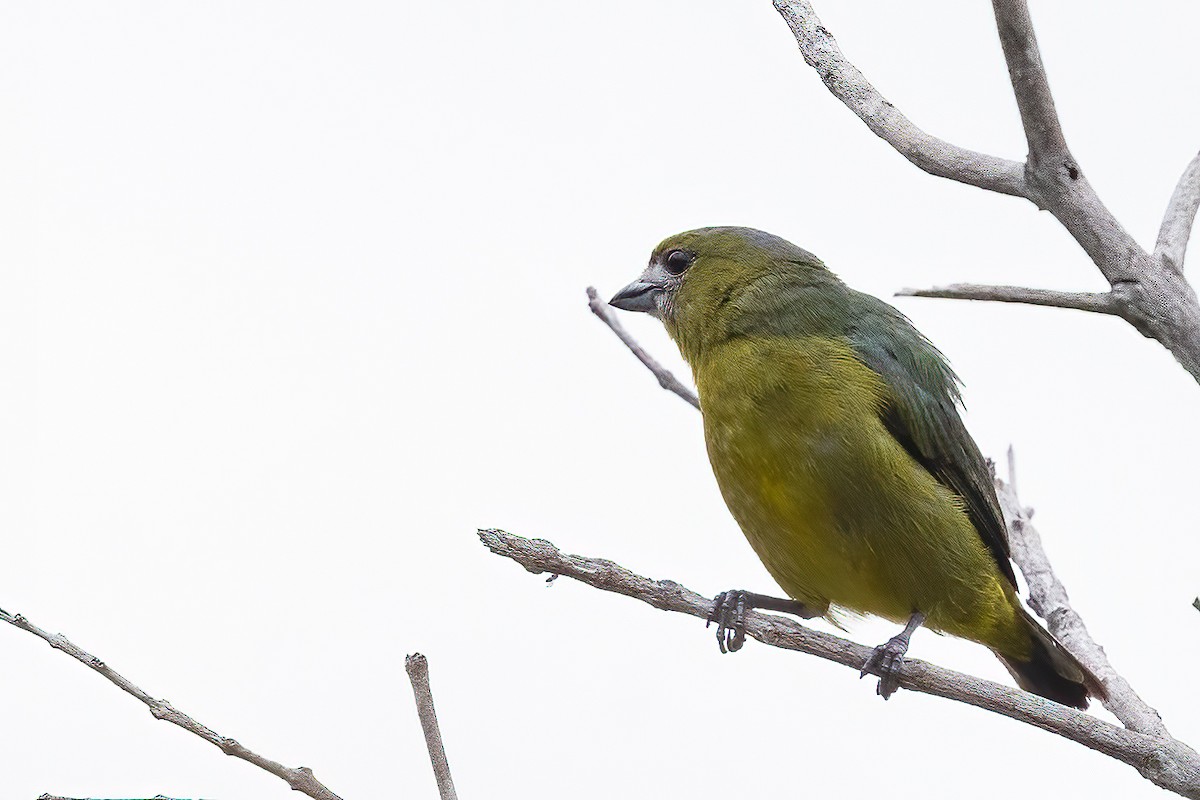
<point>833,430</point>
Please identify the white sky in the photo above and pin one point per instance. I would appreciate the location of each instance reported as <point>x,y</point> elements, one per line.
<point>294,302</point>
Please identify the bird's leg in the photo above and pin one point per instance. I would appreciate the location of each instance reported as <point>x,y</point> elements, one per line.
<point>887,659</point>
<point>729,612</point>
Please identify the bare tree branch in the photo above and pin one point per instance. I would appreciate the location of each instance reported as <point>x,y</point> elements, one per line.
<point>1048,597</point>
<point>929,153</point>
<point>1167,763</point>
<point>665,379</point>
<point>1181,214</point>
<point>1099,302</point>
<point>1034,100</point>
<point>1054,180</point>
<point>1148,291</point>
<point>417,667</point>
<point>299,778</point>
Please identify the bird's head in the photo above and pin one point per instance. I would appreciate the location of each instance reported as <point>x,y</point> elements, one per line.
<point>703,284</point>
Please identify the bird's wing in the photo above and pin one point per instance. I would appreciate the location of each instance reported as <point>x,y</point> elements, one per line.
<point>922,414</point>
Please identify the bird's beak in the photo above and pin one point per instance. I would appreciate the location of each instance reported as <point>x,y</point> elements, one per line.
<point>638,296</point>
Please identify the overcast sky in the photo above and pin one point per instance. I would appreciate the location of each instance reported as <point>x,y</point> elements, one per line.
<point>293,302</point>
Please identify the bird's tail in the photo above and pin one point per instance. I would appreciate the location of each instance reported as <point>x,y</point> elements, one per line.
<point>1050,670</point>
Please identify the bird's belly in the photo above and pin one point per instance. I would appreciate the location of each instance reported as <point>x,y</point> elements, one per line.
<point>836,509</point>
<point>795,513</point>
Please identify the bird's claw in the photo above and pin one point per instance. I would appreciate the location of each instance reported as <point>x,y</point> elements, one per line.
<point>729,613</point>
<point>886,661</point>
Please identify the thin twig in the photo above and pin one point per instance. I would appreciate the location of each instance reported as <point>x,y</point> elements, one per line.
<point>417,667</point>
<point>1053,178</point>
<point>299,778</point>
<point>1167,763</point>
<point>1181,214</point>
<point>1048,597</point>
<point>1099,302</point>
<point>665,379</point>
<point>848,84</point>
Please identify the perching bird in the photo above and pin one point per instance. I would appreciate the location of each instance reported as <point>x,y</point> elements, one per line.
<point>833,430</point>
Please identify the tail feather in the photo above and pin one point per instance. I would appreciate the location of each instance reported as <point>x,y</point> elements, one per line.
<point>1050,671</point>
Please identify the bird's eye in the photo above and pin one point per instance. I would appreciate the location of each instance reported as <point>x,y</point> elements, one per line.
<point>677,261</point>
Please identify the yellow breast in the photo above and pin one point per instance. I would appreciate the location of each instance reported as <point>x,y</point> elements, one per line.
<point>834,506</point>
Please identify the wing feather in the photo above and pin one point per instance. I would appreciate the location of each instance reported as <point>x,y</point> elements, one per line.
<point>922,414</point>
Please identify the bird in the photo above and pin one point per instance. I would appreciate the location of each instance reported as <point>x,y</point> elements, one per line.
<point>833,429</point>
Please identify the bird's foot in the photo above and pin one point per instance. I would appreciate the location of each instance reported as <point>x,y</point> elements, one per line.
<point>887,659</point>
<point>729,613</point>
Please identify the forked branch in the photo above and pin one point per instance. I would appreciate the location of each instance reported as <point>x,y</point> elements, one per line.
<point>1148,290</point>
